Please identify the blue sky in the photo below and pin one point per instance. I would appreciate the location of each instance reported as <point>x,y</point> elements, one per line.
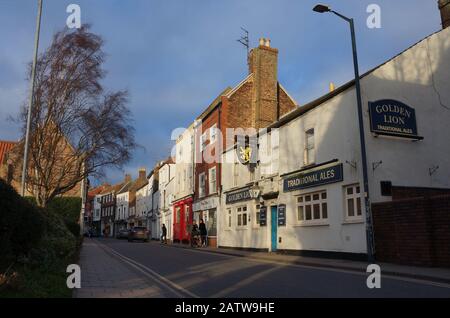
<point>175,56</point>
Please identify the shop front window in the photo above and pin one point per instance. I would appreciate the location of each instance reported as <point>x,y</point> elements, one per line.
<point>212,223</point>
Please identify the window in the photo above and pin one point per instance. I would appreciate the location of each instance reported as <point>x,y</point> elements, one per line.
<point>353,202</point>
<point>186,214</point>
<point>312,207</point>
<point>235,174</point>
<point>203,141</point>
<point>212,180</point>
<point>309,147</point>
<point>213,134</point>
<point>257,214</point>
<point>178,215</point>
<point>242,216</point>
<point>202,185</point>
<point>229,218</point>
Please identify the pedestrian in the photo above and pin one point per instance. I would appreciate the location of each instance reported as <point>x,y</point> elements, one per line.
<point>194,234</point>
<point>164,234</point>
<point>203,232</point>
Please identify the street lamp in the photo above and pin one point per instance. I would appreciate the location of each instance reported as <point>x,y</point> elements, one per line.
<point>321,8</point>
<point>31,100</point>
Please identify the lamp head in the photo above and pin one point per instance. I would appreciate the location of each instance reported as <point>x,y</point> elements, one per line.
<point>321,8</point>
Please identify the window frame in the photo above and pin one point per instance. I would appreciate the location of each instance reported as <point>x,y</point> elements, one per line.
<point>213,134</point>
<point>201,189</point>
<point>256,219</point>
<point>240,212</point>
<point>308,149</point>
<point>353,196</point>
<point>211,189</point>
<point>321,201</point>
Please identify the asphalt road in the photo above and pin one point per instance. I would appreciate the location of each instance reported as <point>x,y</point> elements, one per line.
<point>191,273</point>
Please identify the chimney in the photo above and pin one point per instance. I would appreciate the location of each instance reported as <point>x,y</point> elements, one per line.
<point>263,64</point>
<point>142,173</point>
<point>127,178</point>
<point>444,7</point>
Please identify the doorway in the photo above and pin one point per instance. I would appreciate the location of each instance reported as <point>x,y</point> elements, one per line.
<point>274,227</point>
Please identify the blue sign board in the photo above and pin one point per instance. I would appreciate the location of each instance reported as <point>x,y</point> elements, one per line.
<point>282,215</point>
<point>263,216</point>
<point>238,196</point>
<point>393,118</point>
<point>308,179</point>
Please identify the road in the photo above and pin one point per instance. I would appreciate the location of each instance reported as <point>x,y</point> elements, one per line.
<point>177,272</point>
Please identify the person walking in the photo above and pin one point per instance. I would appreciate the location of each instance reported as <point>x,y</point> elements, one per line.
<point>203,232</point>
<point>194,234</point>
<point>164,234</point>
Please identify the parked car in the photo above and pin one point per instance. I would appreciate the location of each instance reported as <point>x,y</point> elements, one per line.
<point>138,233</point>
<point>122,234</point>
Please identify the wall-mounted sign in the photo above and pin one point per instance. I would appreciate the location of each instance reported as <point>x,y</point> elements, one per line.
<point>239,196</point>
<point>282,215</point>
<point>263,216</point>
<point>308,179</point>
<point>205,204</point>
<point>246,150</point>
<point>393,118</point>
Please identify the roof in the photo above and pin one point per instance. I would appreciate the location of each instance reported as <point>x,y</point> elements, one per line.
<point>5,146</point>
<point>98,189</point>
<point>138,184</point>
<point>319,101</point>
<point>125,187</point>
<point>214,104</point>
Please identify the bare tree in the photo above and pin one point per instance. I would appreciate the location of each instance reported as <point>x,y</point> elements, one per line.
<point>77,128</point>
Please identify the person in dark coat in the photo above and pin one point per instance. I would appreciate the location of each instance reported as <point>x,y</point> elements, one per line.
<point>164,234</point>
<point>203,232</point>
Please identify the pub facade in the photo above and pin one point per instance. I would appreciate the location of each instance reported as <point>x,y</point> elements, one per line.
<point>308,196</point>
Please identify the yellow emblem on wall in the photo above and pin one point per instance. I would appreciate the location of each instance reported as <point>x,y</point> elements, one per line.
<point>245,154</point>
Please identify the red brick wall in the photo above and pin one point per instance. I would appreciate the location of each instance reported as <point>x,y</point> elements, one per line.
<point>399,193</point>
<point>203,166</point>
<point>413,231</point>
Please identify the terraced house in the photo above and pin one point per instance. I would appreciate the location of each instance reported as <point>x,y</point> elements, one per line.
<point>256,102</point>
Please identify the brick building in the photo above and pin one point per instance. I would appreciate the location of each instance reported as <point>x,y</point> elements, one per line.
<point>256,102</point>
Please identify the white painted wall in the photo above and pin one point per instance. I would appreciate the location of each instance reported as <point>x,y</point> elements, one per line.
<point>184,156</point>
<point>420,78</point>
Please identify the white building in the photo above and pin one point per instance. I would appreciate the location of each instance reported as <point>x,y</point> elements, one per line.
<point>142,203</point>
<point>183,185</point>
<point>315,203</point>
<point>166,195</point>
<point>122,205</point>
<point>96,213</point>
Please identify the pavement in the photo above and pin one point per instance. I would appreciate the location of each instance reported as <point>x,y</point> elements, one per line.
<point>117,268</point>
<point>427,273</point>
<point>104,276</point>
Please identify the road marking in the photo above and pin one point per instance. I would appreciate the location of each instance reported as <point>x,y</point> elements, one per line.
<point>174,287</point>
<point>329,269</point>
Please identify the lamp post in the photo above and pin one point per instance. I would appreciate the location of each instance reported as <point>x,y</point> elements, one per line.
<point>321,8</point>
<point>31,100</point>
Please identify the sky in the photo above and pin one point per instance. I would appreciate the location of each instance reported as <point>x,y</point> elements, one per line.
<point>175,56</point>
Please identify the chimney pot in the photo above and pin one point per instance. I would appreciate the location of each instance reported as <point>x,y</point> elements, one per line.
<point>268,42</point>
<point>262,41</point>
